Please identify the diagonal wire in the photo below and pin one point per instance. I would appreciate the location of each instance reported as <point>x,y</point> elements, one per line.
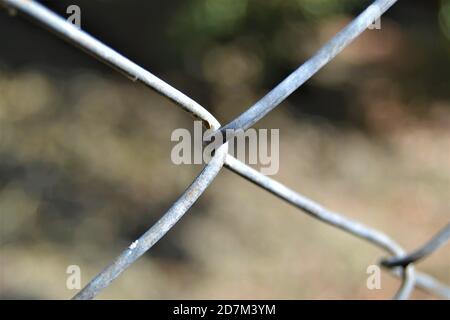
<point>158,230</point>
<point>135,72</point>
<point>111,57</point>
<point>336,220</point>
<point>137,248</point>
<point>441,238</point>
<point>428,283</point>
<point>105,53</point>
<point>297,78</point>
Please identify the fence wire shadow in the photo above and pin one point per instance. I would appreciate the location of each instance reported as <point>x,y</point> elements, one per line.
<point>399,263</point>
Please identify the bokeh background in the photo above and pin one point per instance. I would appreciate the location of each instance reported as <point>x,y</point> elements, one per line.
<point>85,153</point>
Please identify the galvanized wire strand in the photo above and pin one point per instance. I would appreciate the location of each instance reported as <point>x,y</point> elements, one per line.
<point>435,243</point>
<point>146,241</point>
<point>297,78</point>
<point>429,284</point>
<point>315,210</point>
<point>111,57</point>
<point>334,219</point>
<point>192,193</point>
<point>158,230</point>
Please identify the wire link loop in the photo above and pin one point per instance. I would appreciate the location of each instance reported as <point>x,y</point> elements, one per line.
<point>401,264</point>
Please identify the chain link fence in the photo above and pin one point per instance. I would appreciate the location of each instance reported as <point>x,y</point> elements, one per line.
<point>400,263</point>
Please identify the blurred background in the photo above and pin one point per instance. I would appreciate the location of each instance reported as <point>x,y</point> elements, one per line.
<point>85,153</point>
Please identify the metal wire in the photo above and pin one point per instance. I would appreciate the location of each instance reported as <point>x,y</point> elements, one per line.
<point>435,243</point>
<point>327,53</point>
<point>334,219</point>
<point>158,230</point>
<point>429,284</point>
<point>193,192</point>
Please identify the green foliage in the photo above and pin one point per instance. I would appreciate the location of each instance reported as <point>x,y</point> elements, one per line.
<point>211,19</point>
<point>444,17</point>
<point>323,8</point>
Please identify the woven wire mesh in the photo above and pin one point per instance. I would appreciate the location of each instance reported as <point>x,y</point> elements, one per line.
<point>399,263</point>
